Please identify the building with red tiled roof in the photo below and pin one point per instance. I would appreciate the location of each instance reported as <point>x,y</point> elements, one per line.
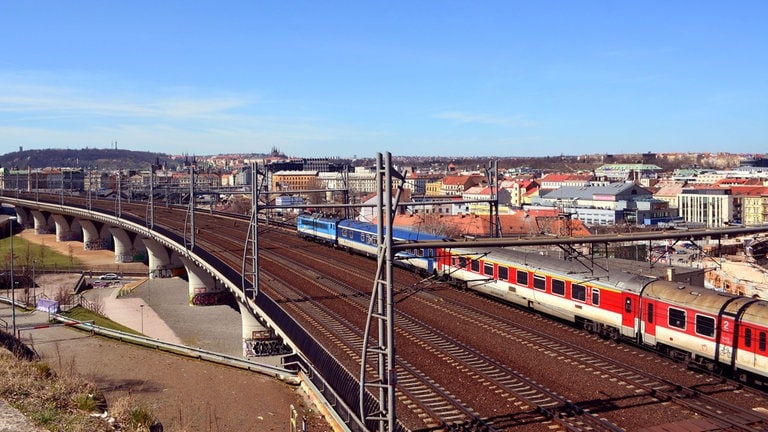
<point>750,204</point>
<point>520,191</point>
<point>456,185</point>
<point>516,224</point>
<point>727,182</point>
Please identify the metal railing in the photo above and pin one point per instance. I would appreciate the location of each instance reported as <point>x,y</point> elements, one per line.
<point>286,375</point>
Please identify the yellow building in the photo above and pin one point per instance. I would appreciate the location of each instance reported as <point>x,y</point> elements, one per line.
<point>433,188</point>
<point>293,180</point>
<point>755,209</point>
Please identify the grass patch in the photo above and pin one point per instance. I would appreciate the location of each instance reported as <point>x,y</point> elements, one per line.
<point>63,401</point>
<point>80,313</point>
<point>26,253</point>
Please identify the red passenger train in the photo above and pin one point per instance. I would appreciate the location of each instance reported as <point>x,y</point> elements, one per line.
<point>722,332</point>
<point>716,330</point>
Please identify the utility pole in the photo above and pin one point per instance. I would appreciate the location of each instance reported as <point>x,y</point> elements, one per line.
<point>251,250</point>
<point>192,206</point>
<point>151,220</point>
<point>382,307</point>
<point>119,201</point>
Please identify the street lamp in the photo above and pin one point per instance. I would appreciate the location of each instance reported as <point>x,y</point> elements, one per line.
<point>34,287</point>
<point>11,220</point>
<point>142,318</point>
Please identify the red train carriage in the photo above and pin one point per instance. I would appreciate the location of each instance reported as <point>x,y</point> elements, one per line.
<point>684,321</point>
<point>713,329</point>
<point>751,351</point>
<point>603,302</point>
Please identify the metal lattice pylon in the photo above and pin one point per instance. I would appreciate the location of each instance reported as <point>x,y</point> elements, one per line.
<point>381,310</point>
<point>250,251</point>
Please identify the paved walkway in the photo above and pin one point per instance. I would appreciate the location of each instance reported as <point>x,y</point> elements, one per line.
<point>133,311</point>
<point>215,328</point>
<point>11,420</point>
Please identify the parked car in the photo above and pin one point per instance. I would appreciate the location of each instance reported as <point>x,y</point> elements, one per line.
<point>109,276</point>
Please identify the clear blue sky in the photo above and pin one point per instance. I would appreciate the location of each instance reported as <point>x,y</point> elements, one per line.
<point>344,78</point>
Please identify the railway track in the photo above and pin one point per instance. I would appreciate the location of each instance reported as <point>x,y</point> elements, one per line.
<point>533,401</point>
<point>727,415</point>
<point>723,414</point>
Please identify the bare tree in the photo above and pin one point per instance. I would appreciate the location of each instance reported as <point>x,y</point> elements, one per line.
<point>315,197</point>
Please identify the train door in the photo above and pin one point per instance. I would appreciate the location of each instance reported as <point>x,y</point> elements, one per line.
<point>629,316</point>
<point>429,259</point>
<point>726,339</point>
<point>648,323</point>
<point>747,354</point>
<point>443,260</point>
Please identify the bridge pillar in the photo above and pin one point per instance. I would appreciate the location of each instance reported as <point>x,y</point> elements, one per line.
<point>66,230</point>
<point>258,340</point>
<point>23,217</point>
<point>40,222</point>
<point>126,250</point>
<point>92,239</point>
<point>203,288</point>
<point>160,260</point>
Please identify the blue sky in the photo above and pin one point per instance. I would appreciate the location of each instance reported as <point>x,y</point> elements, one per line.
<point>345,78</point>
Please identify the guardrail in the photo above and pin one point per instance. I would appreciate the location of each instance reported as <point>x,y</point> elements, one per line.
<point>285,375</point>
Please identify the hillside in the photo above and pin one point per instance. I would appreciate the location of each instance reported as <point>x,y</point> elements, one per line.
<point>82,158</point>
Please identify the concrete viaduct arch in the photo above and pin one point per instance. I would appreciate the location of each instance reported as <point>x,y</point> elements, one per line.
<point>134,242</point>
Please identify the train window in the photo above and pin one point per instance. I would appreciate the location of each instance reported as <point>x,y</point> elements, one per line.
<point>628,305</point>
<point>431,253</point>
<point>475,265</point>
<point>595,297</point>
<point>462,262</point>
<point>747,337</point>
<point>705,326</point>
<point>579,292</point>
<point>558,287</point>
<point>650,313</point>
<point>503,273</point>
<point>522,278</point>
<point>761,341</point>
<point>539,282</point>
<point>488,269</point>
<point>677,318</point>
<point>419,252</point>
<point>343,232</point>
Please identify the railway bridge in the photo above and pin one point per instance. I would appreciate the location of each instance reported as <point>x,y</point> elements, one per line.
<point>134,240</point>
<point>214,264</point>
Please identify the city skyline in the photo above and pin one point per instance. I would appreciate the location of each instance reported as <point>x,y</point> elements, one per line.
<point>354,79</point>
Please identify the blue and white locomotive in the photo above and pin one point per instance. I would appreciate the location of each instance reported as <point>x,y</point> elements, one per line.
<point>361,237</point>
<point>317,227</point>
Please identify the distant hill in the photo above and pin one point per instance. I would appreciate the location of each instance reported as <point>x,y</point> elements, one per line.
<point>83,158</point>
